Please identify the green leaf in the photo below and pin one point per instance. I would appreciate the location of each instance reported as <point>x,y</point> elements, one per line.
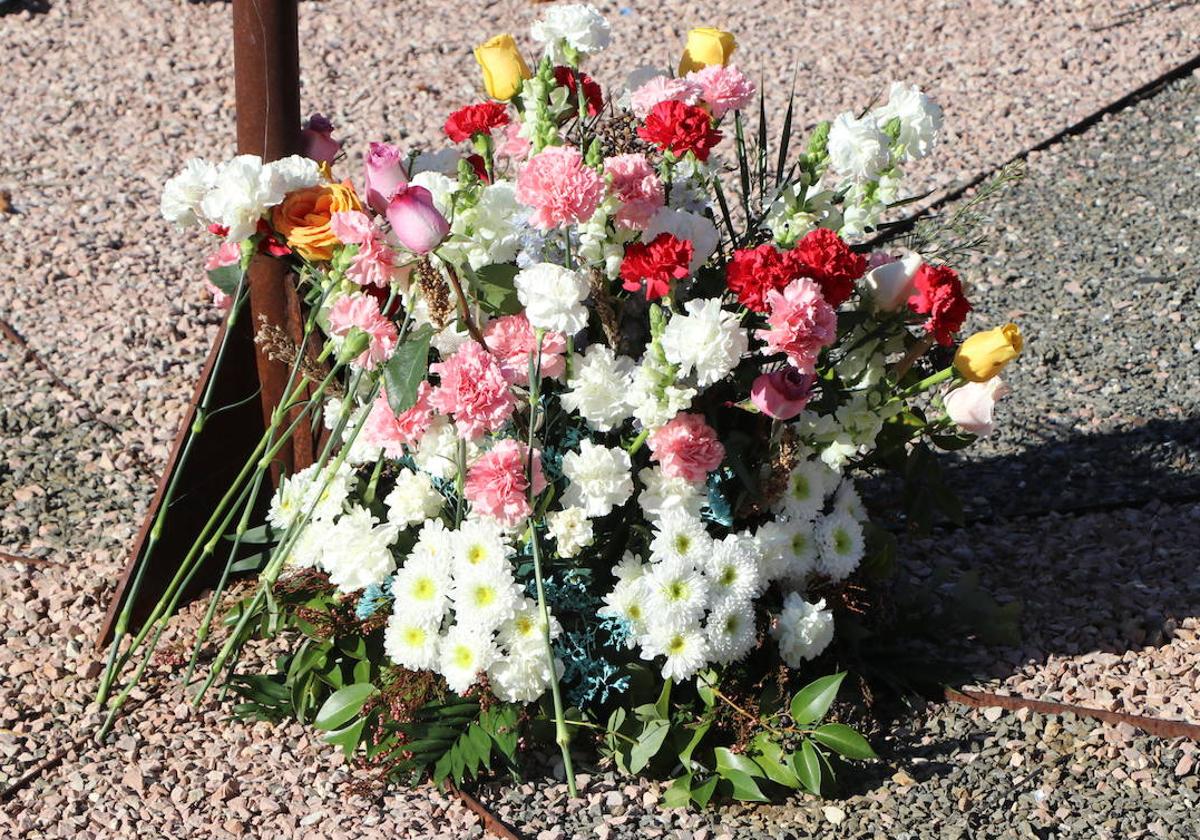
<point>844,741</point>
<point>702,794</point>
<point>770,758</point>
<point>727,760</point>
<point>679,794</point>
<point>663,706</point>
<point>406,369</point>
<point>745,789</point>
<point>648,744</point>
<point>226,278</point>
<point>808,767</point>
<point>495,290</point>
<point>704,688</point>
<point>685,755</point>
<point>347,737</point>
<point>342,705</point>
<point>812,702</point>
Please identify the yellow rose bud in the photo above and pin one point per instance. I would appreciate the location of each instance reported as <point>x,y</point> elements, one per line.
<point>503,67</point>
<point>985,354</point>
<point>303,218</point>
<point>706,46</point>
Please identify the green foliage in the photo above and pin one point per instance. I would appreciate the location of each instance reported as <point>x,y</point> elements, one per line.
<point>406,369</point>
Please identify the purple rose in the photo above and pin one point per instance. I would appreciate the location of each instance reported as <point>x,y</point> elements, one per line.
<point>385,175</point>
<point>416,221</point>
<point>782,394</point>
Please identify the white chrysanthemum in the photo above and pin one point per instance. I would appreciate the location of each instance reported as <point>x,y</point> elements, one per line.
<point>707,340</point>
<point>414,499</point>
<point>521,675</point>
<point>464,654</point>
<point>684,646</point>
<point>526,628</point>
<point>356,552</point>
<point>664,493</point>
<point>319,495</point>
<point>183,192</point>
<point>359,451</point>
<point>676,593</point>
<point>436,542</point>
<point>857,148</point>
<point>599,386</point>
<point>808,485</point>
<point>732,570</point>
<point>484,596</point>
<point>480,543</point>
<point>580,27</point>
<point>679,536</point>
<point>628,602</point>
<point>840,545</point>
<point>730,631</point>
<point>920,119</point>
<point>553,297</point>
<point>309,548</point>
<point>411,643</point>
<point>804,630</point>
<point>848,501</point>
<point>599,478</point>
<point>421,588</point>
<point>571,529</point>
<point>630,567</point>
<point>789,549</point>
<point>697,229</point>
<point>489,231</point>
<point>655,396</point>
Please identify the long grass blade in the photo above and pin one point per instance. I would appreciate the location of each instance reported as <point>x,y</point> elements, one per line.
<point>743,161</point>
<point>786,142</point>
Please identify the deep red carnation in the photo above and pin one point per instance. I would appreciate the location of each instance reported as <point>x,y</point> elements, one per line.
<point>480,167</point>
<point>271,244</point>
<point>825,257</point>
<point>218,230</point>
<point>566,77</point>
<point>664,259</point>
<point>939,295</point>
<point>470,120</point>
<point>753,272</point>
<point>680,128</point>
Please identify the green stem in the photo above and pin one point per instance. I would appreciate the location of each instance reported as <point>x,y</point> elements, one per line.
<point>928,382</point>
<point>637,442</point>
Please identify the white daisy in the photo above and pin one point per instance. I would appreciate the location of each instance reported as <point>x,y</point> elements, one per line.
<point>730,631</point>
<point>628,602</point>
<point>684,647</point>
<point>484,596</point>
<point>480,543</point>
<point>679,536</point>
<point>410,643</point>
<point>840,545</point>
<point>422,588</point>
<point>677,593</point>
<point>464,653</point>
<point>732,571</point>
<point>808,484</point>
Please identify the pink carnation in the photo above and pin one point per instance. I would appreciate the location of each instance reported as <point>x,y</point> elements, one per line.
<point>473,391</point>
<point>351,227</point>
<point>639,188</point>
<point>497,486</point>
<point>513,146</point>
<point>392,432</point>
<point>686,447</point>
<point>511,341</point>
<point>375,263</point>
<point>801,321</point>
<point>230,253</point>
<point>359,310</point>
<point>559,187</point>
<point>662,89</point>
<point>724,89</point>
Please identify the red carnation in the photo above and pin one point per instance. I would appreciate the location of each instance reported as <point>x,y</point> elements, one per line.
<point>664,259</point>
<point>466,122</point>
<point>825,257</point>
<point>680,128</point>
<point>566,77</point>
<point>753,272</point>
<point>939,295</point>
<point>480,167</point>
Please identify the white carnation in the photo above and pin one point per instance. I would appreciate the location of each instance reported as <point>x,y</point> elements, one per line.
<point>438,450</point>
<point>414,499</point>
<point>664,493</point>
<point>804,630</point>
<point>182,194</point>
<point>356,553</point>
<point>244,189</point>
<point>599,386</point>
<point>294,172</point>
<point>309,548</point>
<point>857,148</point>
<point>553,297</point>
<point>521,675</point>
<point>840,545</point>
<point>920,119</point>
<point>697,229</point>
<point>571,529</point>
<point>599,478</point>
<point>708,340</point>
<point>489,232</point>
<point>580,27</point>
<point>464,654</point>
<point>359,451</point>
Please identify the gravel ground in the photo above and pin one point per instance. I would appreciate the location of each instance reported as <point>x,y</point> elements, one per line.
<point>110,299</point>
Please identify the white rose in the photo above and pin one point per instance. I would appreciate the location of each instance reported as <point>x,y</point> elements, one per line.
<point>891,284</point>
<point>553,297</point>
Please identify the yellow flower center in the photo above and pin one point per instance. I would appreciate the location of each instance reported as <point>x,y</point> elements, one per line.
<point>683,543</point>
<point>414,636</point>
<point>475,553</point>
<point>424,589</point>
<point>676,645</point>
<point>463,657</point>
<point>841,541</point>
<point>483,595</point>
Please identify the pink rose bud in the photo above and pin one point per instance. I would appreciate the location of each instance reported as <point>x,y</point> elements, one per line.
<point>317,141</point>
<point>385,175</point>
<point>891,284</point>
<point>782,394</point>
<point>971,406</point>
<point>416,221</point>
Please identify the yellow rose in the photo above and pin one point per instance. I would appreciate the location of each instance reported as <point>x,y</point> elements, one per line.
<point>503,66</point>
<point>303,218</point>
<point>984,354</point>
<point>706,46</point>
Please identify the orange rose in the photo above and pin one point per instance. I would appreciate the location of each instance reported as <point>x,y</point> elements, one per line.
<point>303,218</point>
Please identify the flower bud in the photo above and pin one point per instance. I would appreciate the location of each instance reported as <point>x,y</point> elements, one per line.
<point>971,407</point>
<point>782,394</point>
<point>384,175</point>
<point>503,67</point>
<point>706,46</point>
<point>353,346</point>
<point>891,284</point>
<point>317,141</point>
<point>985,354</point>
<point>416,221</point>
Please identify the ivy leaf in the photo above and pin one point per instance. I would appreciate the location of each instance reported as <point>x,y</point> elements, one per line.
<point>812,702</point>
<point>648,744</point>
<point>844,741</point>
<point>406,369</point>
<point>679,794</point>
<point>495,289</point>
<point>808,767</point>
<point>226,278</point>
<point>685,755</point>
<point>342,705</point>
<point>702,794</point>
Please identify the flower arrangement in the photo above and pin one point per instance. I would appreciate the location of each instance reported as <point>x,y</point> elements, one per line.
<point>597,380</point>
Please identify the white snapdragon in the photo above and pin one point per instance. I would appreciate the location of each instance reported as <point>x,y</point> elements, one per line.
<point>576,26</point>
<point>708,340</point>
<point>857,148</point>
<point>357,552</point>
<point>919,116</point>
<point>414,499</point>
<point>791,215</point>
<point>803,630</point>
<point>571,529</point>
<point>599,478</point>
<point>553,297</point>
<point>599,387</point>
<point>655,395</point>
<point>697,229</point>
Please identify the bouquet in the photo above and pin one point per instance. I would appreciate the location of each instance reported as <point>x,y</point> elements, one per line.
<point>596,382</point>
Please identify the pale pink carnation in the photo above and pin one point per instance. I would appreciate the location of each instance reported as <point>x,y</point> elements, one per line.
<point>351,227</point>
<point>510,339</point>
<point>662,89</point>
<point>497,486</point>
<point>559,187</point>
<point>473,391</point>
<point>375,263</point>
<point>392,432</point>
<point>723,89</point>
<point>801,323</point>
<point>513,146</point>
<point>687,448</point>
<point>359,310</point>
<point>639,188</point>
